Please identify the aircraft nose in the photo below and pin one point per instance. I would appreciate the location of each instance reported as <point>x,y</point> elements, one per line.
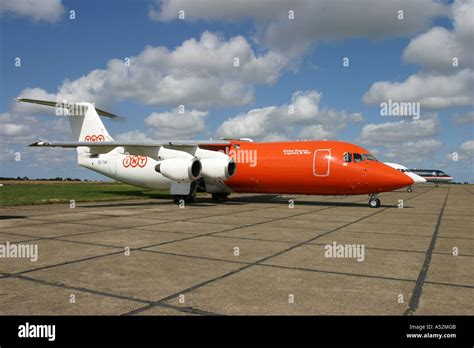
<point>404,180</point>
<point>395,179</point>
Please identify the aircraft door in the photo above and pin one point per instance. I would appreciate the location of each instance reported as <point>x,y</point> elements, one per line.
<point>112,164</point>
<point>322,162</point>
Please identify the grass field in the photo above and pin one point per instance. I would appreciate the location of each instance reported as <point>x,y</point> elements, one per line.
<point>47,193</point>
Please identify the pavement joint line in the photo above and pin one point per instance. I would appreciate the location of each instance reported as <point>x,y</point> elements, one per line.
<point>258,262</point>
<point>195,257</point>
<point>238,270</point>
<point>154,304</point>
<point>450,254</point>
<point>21,241</point>
<point>449,237</point>
<point>303,269</point>
<point>472,193</point>
<point>450,284</point>
<point>81,222</point>
<point>109,254</point>
<point>260,239</point>
<point>65,263</point>
<point>108,294</point>
<point>107,229</point>
<point>91,291</point>
<point>417,291</point>
<point>403,234</point>
<point>188,310</point>
<point>370,248</point>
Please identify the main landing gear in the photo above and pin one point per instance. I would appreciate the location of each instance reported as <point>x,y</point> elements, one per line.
<point>189,198</point>
<point>374,202</point>
<point>219,196</point>
<point>185,198</point>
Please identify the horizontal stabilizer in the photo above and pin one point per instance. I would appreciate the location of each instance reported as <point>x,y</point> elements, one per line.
<point>64,105</point>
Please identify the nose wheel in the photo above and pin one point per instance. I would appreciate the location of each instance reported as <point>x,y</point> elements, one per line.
<point>410,189</point>
<point>374,202</point>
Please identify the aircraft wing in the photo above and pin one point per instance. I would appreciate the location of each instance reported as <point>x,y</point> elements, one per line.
<point>136,148</point>
<point>113,144</point>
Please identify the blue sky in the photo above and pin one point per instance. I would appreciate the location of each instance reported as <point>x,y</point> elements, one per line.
<point>343,101</point>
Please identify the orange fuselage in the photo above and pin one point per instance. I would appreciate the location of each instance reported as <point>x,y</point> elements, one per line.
<point>310,167</point>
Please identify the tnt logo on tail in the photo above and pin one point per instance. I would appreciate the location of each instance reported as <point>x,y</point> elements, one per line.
<point>94,138</point>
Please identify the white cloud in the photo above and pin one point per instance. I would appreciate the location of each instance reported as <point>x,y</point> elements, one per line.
<point>464,118</point>
<point>436,48</point>
<point>17,131</point>
<point>398,132</point>
<point>131,136</point>
<point>169,125</point>
<point>198,73</point>
<point>439,84</point>
<point>303,118</point>
<point>22,129</point>
<point>441,41</point>
<point>38,10</point>
<point>413,151</point>
<point>467,147</point>
<point>313,21</point>
<point>175,125</point>
<point>431,91</point>
<point>252,124</point>
<point>403,141</point>
<point>461,158</point>
<point>316,131</point>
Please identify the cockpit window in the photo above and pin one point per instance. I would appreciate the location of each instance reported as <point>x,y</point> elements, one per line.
<point>357,157</point>
<point>369,157</point>
<point>347,157</point>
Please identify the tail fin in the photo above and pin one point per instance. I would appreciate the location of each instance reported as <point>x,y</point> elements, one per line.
<point>86,124</point>
<point>84,119</point>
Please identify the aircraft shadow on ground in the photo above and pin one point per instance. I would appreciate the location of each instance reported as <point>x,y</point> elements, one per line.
<point>276,199</point>
<point>7,217</point>
<point>164,199</point>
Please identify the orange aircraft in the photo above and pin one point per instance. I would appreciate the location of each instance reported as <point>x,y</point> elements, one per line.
<point>221,167</point>
<point>308,168</point>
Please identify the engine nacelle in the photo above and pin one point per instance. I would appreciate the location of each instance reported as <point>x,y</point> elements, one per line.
<point>181,169</point>
<point>221,168</point>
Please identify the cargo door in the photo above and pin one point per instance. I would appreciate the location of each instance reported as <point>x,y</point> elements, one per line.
<point>322,162</point>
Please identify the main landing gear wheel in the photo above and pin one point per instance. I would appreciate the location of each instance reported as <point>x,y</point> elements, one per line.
<point>219,197</point>
<point>186,198</point>
<point>374,202</point>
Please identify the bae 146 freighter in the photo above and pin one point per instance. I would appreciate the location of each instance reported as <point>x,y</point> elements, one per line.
<point>221,167</point>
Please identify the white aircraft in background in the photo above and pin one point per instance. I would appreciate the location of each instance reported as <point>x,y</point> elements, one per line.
<point>416,178</point>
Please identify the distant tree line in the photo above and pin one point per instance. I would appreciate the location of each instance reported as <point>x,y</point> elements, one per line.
<point>25,178</point>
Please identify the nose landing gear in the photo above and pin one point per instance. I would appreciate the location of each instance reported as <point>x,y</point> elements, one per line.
<point>410,189</point>
<point>374,202</point>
